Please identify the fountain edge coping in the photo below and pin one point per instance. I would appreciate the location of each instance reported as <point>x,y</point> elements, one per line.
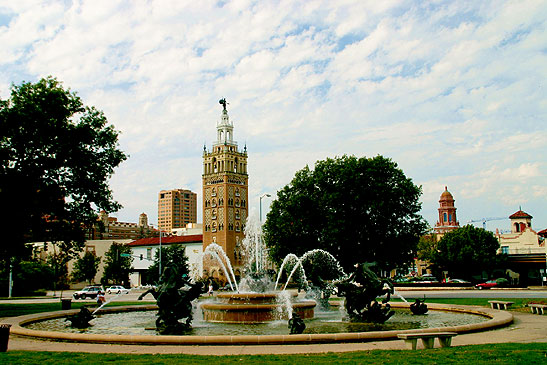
<point>498,318</point>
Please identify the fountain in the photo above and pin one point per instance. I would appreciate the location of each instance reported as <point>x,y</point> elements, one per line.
<point>254,299</point>
<point>220,322</point>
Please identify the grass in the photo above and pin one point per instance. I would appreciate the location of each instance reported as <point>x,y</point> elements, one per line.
<point>508,353</point>
<point>13,310</point>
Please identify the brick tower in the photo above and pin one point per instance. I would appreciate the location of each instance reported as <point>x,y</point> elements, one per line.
<point>225,196</point>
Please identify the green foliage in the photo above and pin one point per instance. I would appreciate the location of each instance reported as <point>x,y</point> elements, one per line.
<point>358,209</point>
<point>427,247</point>
<point>21,309</point>
<point>467,250</point>
<point>30,276</point>
<point>58,262</point>
<point>85,268</point>
<point>173,254</point>
<point>56,156</point>
<point>117,267</point>
<point>502,282</point>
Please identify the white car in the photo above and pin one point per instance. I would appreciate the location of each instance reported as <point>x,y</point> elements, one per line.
<point>117,289</point>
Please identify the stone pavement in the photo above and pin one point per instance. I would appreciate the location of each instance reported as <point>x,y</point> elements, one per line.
<point>526,328</point>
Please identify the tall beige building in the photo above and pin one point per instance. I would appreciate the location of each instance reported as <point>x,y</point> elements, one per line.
<point>176,208</point>
<point>225,196</point>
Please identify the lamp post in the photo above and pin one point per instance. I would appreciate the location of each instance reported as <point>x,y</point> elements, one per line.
<point>268,195</point>
<point>160,256</point>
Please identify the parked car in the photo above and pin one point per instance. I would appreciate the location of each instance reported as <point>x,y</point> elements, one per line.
<point>487,285</point>
<point>117,289</point>
<point>427,278</point>
<point>90,292</point>
<point>458,281</point>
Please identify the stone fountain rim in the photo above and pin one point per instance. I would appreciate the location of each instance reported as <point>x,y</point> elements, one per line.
<point>498,318</point>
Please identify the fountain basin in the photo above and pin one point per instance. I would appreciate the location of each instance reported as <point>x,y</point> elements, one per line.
<point>253,308</point>
<point>496,319</point>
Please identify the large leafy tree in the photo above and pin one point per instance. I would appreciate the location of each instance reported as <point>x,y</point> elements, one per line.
<point>358,209</point>
<point>467,251</point>
<point>56,157</point>
<point>85,268</point>
<point>117,266</point>
<point>174,255</point>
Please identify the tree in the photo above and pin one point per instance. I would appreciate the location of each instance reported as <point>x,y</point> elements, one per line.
<point>31,276</point>
<point>173,254</point>
<point>85,268</point>
<point>58,262</point>
<point>117,265</point>
<point>427,247</point>
<point>466,251</point>
<point>56,156</point>
<point>358,209</point>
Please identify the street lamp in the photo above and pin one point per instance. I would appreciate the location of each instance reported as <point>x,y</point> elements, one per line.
<point>268,195</point>
<point>160,256</point>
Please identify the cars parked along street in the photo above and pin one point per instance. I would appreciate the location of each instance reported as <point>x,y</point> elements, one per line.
<point>487,285</point>
<point>117,289</point>
<point>90,292</point>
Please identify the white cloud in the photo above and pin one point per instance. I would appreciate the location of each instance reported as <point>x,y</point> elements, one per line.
<point>452,91</point>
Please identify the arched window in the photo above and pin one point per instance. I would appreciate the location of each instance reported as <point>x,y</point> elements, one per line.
<point>444,217</point>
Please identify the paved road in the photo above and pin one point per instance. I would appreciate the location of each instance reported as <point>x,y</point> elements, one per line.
<point>474,293</point>
<point>407,293</point>
<point>132,296</point>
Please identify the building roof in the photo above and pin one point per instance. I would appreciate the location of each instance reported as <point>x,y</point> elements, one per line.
<point>543,233</point>
<point>446,195</point>
<point>520,214</point>
<point>153,241</point>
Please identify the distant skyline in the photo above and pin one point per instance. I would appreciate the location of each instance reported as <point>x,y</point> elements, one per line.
<point>453,91</point>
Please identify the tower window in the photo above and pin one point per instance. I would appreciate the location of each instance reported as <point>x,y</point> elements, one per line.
<point>444,217</point>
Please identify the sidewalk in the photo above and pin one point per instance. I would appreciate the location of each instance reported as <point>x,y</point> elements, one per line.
<point>526,328</point>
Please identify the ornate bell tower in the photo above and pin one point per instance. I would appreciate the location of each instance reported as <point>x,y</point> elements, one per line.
<point>447,214</point>
<point>225,196</point>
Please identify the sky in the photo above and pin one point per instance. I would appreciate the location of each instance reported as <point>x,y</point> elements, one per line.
<point>452,91</point>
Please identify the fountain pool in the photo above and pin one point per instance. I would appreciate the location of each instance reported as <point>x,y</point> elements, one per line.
<point>325,327</point>
<point>143,323</point>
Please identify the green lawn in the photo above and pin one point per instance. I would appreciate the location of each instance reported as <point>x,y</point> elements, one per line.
<point>13,310</point>
<point>534,353</point>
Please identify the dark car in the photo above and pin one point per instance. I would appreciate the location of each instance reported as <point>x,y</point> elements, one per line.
<point>487,285</point>
<point>90,292</point>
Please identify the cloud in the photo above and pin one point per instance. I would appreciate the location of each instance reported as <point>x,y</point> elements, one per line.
<point>451,91</point>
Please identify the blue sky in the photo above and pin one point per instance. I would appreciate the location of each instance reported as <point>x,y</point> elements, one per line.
<point>453,91</point>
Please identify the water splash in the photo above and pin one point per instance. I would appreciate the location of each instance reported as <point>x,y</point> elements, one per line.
<point>105,303</point>
<point>285,301</point>
<point>308,256</point>
<point>255,252</point>
<point>289,257</point>
<point>213,250</point>
<point>395,292</point>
